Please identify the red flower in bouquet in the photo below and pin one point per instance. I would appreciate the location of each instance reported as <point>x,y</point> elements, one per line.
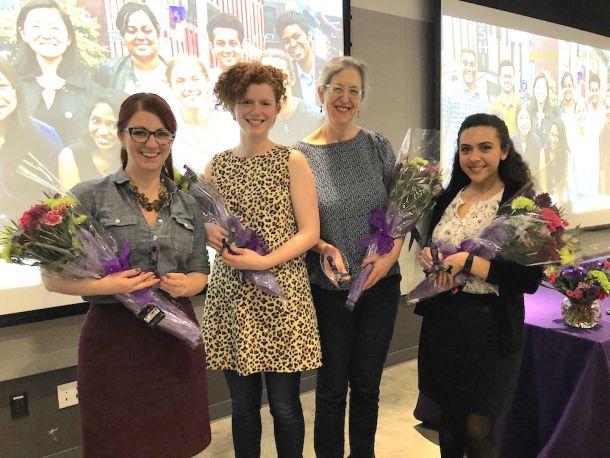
<point>553,220</point>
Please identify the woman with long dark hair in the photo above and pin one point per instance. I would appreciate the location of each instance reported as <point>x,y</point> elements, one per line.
<point>96,153</point>
<point>20,134</point>
<point>57,90</point>
<point>142,392</point>
<point>554,172</point>
<point>471,340</point>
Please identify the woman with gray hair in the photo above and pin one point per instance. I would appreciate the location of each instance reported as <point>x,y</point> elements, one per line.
<point>352,167</point>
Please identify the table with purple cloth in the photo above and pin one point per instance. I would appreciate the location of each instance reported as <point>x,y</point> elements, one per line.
<point>561,407</point>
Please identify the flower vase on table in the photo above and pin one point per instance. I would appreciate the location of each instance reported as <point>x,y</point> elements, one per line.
<point>580,314</point>
<point>583,286</point>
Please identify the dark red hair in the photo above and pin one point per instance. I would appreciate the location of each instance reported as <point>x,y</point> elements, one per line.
<point>152,103</point>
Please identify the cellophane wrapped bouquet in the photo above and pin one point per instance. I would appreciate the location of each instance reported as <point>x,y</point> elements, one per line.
<point>415,185</point>
<point>214,210</point>
<point>59,236</point>
<point>529,232</point>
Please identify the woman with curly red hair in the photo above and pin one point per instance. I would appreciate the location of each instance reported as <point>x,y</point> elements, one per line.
<point>248,332</point>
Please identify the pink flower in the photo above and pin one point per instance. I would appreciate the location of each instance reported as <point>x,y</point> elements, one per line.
<point>552,278</point>
<point>578,294</point>
<point>31,218</point>
<point>52,218</point>
<point>570,293</point>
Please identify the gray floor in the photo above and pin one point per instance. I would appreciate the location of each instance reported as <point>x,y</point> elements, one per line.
<point>399,435</point>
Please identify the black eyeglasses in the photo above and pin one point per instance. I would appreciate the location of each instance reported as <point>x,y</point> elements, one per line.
<point>140,135</point>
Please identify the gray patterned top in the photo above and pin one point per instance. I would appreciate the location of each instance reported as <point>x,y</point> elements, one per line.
<point>454,230</point>
<point>352,179</point>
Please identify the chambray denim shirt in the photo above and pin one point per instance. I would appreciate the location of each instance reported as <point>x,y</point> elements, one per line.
<point>176,243</point>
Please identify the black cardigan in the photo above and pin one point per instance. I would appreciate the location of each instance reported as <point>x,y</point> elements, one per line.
<point>512,280</point>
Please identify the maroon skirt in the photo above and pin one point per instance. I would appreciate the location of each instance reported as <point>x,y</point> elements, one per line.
<point>142,392</point>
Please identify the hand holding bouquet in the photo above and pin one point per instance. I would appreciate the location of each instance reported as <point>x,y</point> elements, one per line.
<point>214,211</point>
<point>416,183</point>
<point>58,237</point>
<point>528,232</point>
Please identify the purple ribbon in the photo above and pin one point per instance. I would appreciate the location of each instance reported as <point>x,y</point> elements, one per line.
<point>382,237</point>
<point>121,263</point>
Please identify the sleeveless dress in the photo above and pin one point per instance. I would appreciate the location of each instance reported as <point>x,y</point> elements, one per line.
<point>244,328</point>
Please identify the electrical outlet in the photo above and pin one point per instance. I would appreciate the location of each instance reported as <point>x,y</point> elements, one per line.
<point>19,405</point>
<point>67,395</point>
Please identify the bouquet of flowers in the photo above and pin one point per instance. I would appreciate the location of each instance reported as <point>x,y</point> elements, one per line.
<point>415,185</point>
<point>59,236</point>
<point>529,232</point>
<point>583,285</point>
<point>215,211</point>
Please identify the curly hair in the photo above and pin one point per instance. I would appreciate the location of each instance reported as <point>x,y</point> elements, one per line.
<point>513,171</point>
<point>233,84</point>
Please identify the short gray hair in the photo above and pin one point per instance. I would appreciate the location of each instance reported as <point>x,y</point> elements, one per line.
<point>337,64</point>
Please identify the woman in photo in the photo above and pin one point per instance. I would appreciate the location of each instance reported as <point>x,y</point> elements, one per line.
<point>471,340</point>
<point>96,154</point>
<point>526,142</point>
<point>142,392</point>
<point>143,69</point>
<point>56,88</point>
<point>20,135</point>
<point>202,131</point>
<point>249,333</point>
<point>352,167</point>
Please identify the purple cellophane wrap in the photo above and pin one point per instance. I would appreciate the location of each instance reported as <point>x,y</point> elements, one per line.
<point>488,245</point>
<point>101,260</point>
<point>390,224</point>
<point>215,211</point>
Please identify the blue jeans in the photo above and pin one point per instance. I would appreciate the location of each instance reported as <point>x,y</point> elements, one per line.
<point>354,348</point>
<point>284,403</point>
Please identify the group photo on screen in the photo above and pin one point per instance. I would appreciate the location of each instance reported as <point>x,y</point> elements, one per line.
<point>66,67</point>
<point>552,94</point>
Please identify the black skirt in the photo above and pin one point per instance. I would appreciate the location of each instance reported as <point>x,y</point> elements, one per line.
<point>461,363</point>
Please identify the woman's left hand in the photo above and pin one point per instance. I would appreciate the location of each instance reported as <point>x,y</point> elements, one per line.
<point>244,259</point>
<point>455,262</point>
<point>381,266</point>
<point>175,284</point>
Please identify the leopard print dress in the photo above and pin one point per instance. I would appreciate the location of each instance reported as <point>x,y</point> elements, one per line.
<point>244,328</point>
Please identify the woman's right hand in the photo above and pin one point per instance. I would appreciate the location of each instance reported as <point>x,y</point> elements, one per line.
<point>127,281</point>
<point>215,234</point>
<point>335,254</point>
<point>425,258</point>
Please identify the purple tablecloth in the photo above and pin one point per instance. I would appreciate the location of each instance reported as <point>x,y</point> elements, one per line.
<point>562,403</point>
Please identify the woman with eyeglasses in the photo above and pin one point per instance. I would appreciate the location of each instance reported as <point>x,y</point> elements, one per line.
<point>249,333</point>
<point>352,168</point>
<point>96,153</point>
<point>142,392</point>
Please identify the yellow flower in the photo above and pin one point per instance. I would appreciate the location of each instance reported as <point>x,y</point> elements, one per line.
<point>567,256</point>
<point>601,278</point>
<point>523,203</point>
<point>53,202</point>
<point>80,219</point>
<point>419,161</point>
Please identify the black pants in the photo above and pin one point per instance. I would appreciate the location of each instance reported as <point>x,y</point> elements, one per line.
<point>354,348</point>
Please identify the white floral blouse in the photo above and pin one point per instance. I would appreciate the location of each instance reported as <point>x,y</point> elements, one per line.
<point>454,230</point>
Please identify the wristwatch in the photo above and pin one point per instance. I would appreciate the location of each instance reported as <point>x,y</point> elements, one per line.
<point>468,263</point>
